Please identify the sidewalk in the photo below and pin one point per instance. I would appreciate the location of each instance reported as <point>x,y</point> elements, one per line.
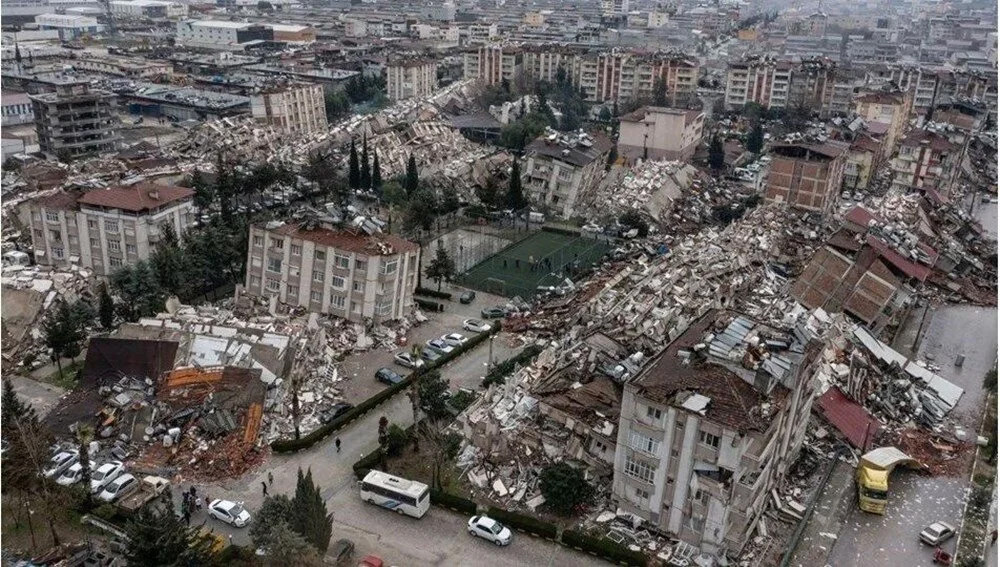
<point>827,519</point>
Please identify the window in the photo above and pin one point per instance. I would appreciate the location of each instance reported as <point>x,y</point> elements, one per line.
<point>55,235</point>
<point>317,275</point>
<point>36,216</point>
<point>653,413</point>
<point>111,226</point>
<point>131,249</point>
<point>360,265</point>
<point>114,246</point>
<point>709,439</point>
<point>273,285</point>
<point>320,255</point>
<point>296,250</point>
<point>383,308</point>
<point>701,496</point>
<point>338,301</point>
<point>254,281</point>
<point>273,264</point>
<point>355,308</point>
<point>680,424</point>
<point>342,261</point>
<point>316,296</point>
<point>674,453</point>
<point>95,243</point>
<point>358,286</point>
<point>338,282</point>
<point>51,216</point>
<point>115,262</point>
<point>640,442</point>
<point>276,243</point>
<point>255,261</point>
<point>293,290</point>
<point>389,266</point>
<point>258,241</point>
<point>639,470</point>
<point>57,252</point>
<point>641,494</point>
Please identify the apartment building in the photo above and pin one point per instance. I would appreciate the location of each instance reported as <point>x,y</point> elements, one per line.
<point>926,160</point>
<point>864,158</point>
<point>711,427</point>
<point>410,78</point>
<point>74,121</point>
<point>106,229</point>
<point>16,108</point>
<point>658,133</point>
<point>888,107</point>
<point>491,64</point>
<point>560,167</point>
<point>764,81</point>
<point>295,108</point>
<point>806,176</point>
<point>340,270</point>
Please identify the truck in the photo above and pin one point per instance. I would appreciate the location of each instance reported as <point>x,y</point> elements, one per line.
<point>872,477</point>
<point>151,488</point>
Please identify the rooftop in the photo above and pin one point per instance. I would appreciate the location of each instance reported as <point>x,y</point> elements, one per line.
<point>343,239</point>
<point>641,114</point>
<point>575,148</point>
<point>137,198</point>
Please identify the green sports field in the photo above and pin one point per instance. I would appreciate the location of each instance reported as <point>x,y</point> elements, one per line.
<point>543,259</point>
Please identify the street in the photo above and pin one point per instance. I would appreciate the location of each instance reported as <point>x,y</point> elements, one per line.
<point>43,397</point>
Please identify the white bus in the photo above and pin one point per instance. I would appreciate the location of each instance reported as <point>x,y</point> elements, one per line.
<point>404,496</point>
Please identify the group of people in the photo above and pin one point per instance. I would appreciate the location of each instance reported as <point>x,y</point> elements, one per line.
<point>190,503</point>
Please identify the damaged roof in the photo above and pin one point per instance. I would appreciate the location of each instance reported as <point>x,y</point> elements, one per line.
<point>358,242</point>
<point>137,198</point>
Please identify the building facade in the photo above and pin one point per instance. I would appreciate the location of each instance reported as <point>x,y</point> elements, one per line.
<point>711,426</point>
<point>70,27</point>
<point>926,160</point>
<point>806,176</point>
<point>560,167</point>
<point>296,108</point>
<point>106,229</point>
<point>762,81</point>
<point>888,107</point>
<point>327,269</point>
<point>75,121</point>
<point>153,9</point>
<point>659,133</point>
<point>410,79</point>
<point>16,108</point>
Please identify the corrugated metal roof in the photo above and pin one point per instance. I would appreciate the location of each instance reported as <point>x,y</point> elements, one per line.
<point>848,417</point>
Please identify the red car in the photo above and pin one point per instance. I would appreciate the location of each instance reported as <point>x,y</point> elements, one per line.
<point>371,561</point>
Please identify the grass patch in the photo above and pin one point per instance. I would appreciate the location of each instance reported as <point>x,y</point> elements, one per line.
<point>68,378</point>
<point>17,536</point>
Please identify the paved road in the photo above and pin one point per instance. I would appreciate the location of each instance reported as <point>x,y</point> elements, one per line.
<point>43,397</point>
<point>915,500</point>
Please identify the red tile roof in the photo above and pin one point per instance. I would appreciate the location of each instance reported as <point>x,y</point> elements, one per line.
<point>903,264</point>
<point>136,198</point>
<point>63,200</point>
<point>849,417</point>
<point>861,217</point>
<point>358,242</point>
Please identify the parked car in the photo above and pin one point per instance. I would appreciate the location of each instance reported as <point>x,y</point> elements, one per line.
<point>937,533</point>
<point>341,551</point>
<point>493,312</point>
<point>333,412</point>
<point>72,475</point>
<point>371,561</point>
<point>408,360</point>
<point>60,462</point>
<point>455,339</point>
<point>489,529</point>
<point>104,474</point>
<point>119,487</point>
<point>475,325</point>
<point>232,513</point>
<point>467,297</point>
<point>440,346</point>
<point>430,355</point>
<point>387,376</point>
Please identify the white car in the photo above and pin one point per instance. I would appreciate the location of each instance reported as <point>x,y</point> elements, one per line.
<point>937,533</point>
<point>475,325</point>
<point>440,345</point>
<point>408,360</point>
<point>489,529</point>
<point>232,513</point>
<point>455,339</point>
<point>73,475</point>
<point>60,462</point>
<point>104,475</point>
<point>119,487</point>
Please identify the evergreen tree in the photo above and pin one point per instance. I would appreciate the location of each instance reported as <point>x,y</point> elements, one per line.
<point>366,170</point>
<point>225,188</point>
<point>310,517</point>
<point>612,157</point>
<point>716,154</point>
<point>84,435</point>
<point>139,288</point>
<point>62,335</point>
<point>755,139</point>
<point>106,308</point>
<point>167,262</point>
<point>421,210</point>
<point>442,267</point>
<point>353,171</point>
<point>515,194</point>
<point>163,539</point>
<point>565,488</point>
<point>376,172</point>
<point>412,179</point>
<point>204,193</point>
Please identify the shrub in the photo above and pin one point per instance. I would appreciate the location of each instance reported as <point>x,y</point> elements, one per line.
<point>106,512</point>
<point>462,400</point>
<point>397,440</point>
<point>365,464</point>
<point>452,444</point>
<point>523,522</point>
<point>475,212</point>
<point>462,505</point>
<point>561,230</point>
<point>500,372</point>
<point>431,306</point>
<point>980,498</point>
<point>432,293</point>
<point>565,488</point>
<point>603,547</point>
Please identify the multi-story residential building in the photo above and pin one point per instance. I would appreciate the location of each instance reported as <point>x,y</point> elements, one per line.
<point>106,229</point>
<point>295,108</point>
<point>657,133</point>
<point>614,7</point>
<point>542,63</point>
<point>864,158</point>
<point>343,271</point>
<point>888,107</point>
<point>16,108</point>
<point>559,167</point>
<point>491,64</point>
<point>711,427</point>
<point>410,78</point>
<point>806,176</point>
<point>926,160</point>
<point>764,81</point>
<point>75,120</point>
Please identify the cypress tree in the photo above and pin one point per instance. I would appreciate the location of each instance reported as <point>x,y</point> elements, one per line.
<point>412,180</point>
<point>515,194</point>
<point>310,517</point>
<point>376,172</point>
<point>353,172</point>
<point>106,308</point>
<point>366,171</point>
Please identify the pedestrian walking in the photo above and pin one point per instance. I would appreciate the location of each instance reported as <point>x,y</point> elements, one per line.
<point>230,539</point>
<point>187,516</point>
<point>337,443</point>
<point>270,478</point>
<point>264,486</point>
